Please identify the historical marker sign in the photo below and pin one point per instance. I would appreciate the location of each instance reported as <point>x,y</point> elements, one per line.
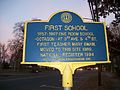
<point>66,43</point>
<point>65,38</point>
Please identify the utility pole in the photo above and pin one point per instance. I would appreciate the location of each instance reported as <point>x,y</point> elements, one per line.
<point>93,4</point>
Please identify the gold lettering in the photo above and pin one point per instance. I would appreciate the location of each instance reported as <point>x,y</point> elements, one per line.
<point>41,33</point>
<point>45,39</point>
<point>57,33</point>
<point>72,54</point>
<point>87,49</point>
<point>60,44</point>
<point>76,49</point>
<point>49,55</point>
<point>47,49</point>
<point>89,44</point>
<point>75,27</point>
<point>77,43</point>
<point>74,38</point>
<point>73,33</point>
<point>89,54</point>
<point>42,43</point>
<point>66,49</point>
<point>86,34</point>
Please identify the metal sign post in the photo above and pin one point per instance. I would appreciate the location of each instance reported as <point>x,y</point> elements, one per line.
<point>67,88</point>
<point>65,42</point>
<point>67,79</point>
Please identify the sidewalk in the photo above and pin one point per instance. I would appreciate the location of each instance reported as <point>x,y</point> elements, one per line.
<point>109,82</point>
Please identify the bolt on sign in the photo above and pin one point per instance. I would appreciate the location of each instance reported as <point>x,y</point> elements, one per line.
<point>65,42</point>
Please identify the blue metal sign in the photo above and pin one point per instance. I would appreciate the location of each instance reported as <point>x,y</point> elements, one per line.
<point>65,38</point>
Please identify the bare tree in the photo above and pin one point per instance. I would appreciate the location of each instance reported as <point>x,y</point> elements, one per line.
<point>15,47</point>
<point>3,52</point>
<point>3,55</point>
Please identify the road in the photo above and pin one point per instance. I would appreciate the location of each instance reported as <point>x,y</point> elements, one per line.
<point>46,81</point>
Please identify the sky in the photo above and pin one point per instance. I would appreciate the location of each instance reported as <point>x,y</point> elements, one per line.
<point>13,11</point>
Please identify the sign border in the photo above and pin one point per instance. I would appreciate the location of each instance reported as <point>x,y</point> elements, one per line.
<point>60,65</point>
